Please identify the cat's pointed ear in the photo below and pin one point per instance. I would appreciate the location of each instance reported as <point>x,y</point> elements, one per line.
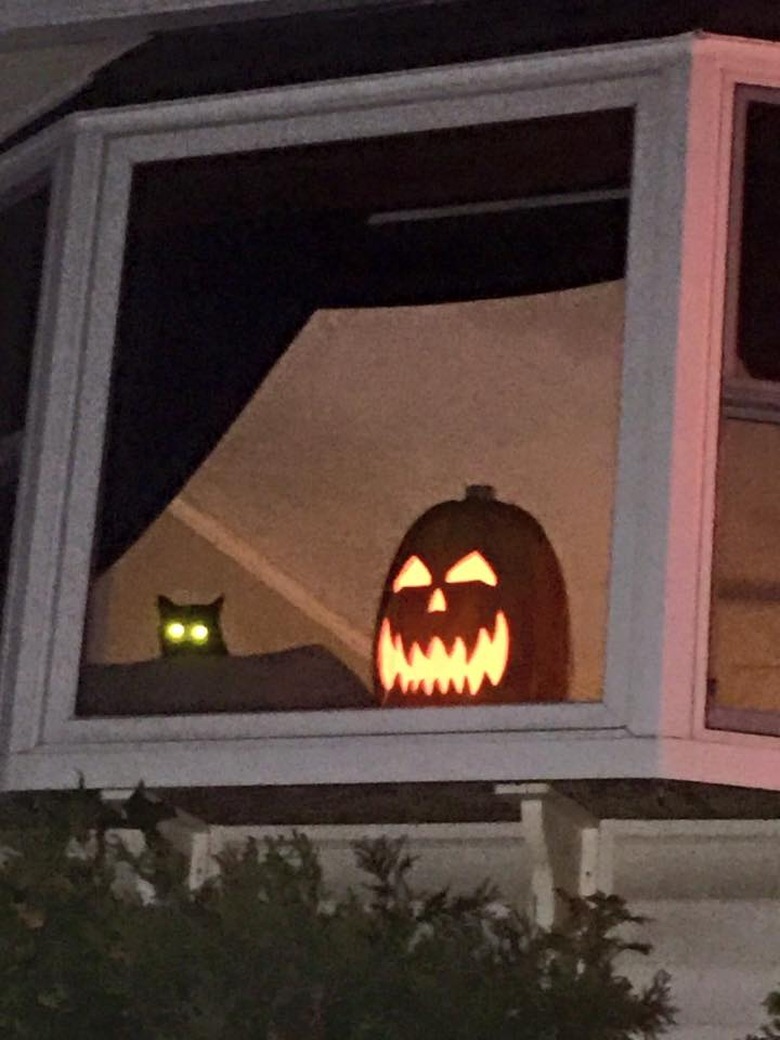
<point>163,603</point>
<point>217,604</point>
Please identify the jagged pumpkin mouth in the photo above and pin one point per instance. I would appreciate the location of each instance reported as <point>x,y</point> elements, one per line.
<point>437,669</point>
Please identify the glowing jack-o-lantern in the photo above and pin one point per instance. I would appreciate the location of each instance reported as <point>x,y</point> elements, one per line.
<point>474,610</point>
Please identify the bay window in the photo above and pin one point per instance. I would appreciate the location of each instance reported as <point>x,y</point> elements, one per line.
<point>276,327</point>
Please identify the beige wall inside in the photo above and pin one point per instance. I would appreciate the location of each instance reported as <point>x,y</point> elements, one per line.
<point>368,419</point>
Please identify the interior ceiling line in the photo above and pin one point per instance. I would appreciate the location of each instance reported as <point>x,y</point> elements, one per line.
<point>466,209</point>
<point>261,568</point>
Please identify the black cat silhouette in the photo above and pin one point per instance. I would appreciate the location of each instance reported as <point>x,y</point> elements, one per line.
<point>190,629</point>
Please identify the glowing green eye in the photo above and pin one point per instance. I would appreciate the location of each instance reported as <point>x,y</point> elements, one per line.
<point>199,633</point>
<point>175,631</point>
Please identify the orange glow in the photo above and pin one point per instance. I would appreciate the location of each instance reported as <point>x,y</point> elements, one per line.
<point>436,668</point>
<point>413,575</point>
<point>473,567</point>
<point>437,604</point>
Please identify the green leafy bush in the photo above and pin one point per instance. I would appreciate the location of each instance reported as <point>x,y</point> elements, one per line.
<point>95,941</point>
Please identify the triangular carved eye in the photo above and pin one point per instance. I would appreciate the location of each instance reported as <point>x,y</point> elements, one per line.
<point>473,567</point>
<point>413,575</point>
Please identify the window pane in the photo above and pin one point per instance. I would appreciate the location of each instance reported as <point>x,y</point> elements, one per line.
<point>22,237</point>
<point>745,656</point>
<point>326,343</point>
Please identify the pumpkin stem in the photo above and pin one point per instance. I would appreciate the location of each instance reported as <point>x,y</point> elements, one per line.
<point>486,492</point>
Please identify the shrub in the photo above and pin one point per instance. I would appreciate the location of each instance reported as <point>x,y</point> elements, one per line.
<point>95,941</point>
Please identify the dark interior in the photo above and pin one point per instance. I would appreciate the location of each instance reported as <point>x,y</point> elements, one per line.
<point>22,240</point>
<point>758,334</point>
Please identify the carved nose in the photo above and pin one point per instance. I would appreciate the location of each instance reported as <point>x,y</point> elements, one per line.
<point>437,603</point>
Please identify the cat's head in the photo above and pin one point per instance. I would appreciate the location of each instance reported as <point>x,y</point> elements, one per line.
<point>190,629</point>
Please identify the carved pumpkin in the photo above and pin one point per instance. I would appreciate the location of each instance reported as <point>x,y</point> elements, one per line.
<point>474,610</point>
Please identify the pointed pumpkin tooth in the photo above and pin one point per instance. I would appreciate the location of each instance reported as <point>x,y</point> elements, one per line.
<point>440,668</point>
<point>499,650</point>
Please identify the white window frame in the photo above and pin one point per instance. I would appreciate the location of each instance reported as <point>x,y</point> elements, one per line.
<point>654,595</point>
<point>34,163</point>
<point>709,287</point>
